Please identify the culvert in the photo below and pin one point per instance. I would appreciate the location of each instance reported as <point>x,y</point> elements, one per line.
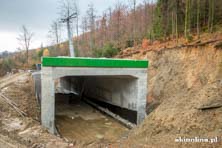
<point>120,85</point>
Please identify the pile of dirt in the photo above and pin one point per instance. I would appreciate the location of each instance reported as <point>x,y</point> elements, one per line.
<point>185,96</point>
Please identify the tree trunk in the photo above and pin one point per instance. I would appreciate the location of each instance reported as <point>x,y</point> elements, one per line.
<point>212,15</point>
<point>198,18</point>
<point>186,19</point>
<point>172,15</point>
<point>177,5</point>
<point>189,17</point>
<point>27,56</point>
<point>176,28</point>
<point>134,22</point>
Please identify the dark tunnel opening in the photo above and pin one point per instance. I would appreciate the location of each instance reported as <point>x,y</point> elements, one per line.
<point>108,92</point>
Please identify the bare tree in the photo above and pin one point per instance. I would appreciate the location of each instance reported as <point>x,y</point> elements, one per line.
<point>84,27</point>
<point>103,28</point>
<point>25,38</point>
<point>91,17</point>
<point>133,5</point>
<point>55,33</point>
<point>146,18</point>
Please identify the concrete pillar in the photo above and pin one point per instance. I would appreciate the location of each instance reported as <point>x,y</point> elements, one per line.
<point>48,100</point>
<point>141,97</point>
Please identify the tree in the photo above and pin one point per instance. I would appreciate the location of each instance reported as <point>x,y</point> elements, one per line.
<point>187,19</point>
<point>166,18</point>
<point>146,4</point>
<point>211,15</point>
<point>174,4</point>
<point>25,38</point>
<point>158,28</point>
<point>91,17</point>
<point>55,34</point>
<point>198,18</point>
<point>110,23</point>
<point>177,5</point>
<point>133,5</point>
<point>103,28</point>
<point>84,27</point>
<point>152,20</point>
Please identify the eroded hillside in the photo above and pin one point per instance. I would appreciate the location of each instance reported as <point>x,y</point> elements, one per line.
<point>185,93</point>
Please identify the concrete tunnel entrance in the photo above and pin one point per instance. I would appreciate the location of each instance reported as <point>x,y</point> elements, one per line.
<point>118,85</point>
<point>111,92</point>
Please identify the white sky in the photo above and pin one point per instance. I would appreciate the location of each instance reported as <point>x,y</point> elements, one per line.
<point>37,15</point>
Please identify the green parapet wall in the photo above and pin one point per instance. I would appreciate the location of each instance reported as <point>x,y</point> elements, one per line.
<point>93,62</point>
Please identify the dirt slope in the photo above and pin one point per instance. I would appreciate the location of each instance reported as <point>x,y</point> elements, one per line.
<point>181,82</point>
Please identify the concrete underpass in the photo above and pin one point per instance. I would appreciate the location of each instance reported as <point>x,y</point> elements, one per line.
<point>120,86</point>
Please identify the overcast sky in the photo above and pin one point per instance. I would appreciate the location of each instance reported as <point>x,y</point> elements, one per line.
<point>37,15</point>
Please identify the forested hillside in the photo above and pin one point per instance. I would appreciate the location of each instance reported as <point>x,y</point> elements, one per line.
<point>126,25</point>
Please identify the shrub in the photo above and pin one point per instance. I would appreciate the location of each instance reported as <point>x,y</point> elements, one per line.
<point>40,53</point>
<point>98,52</point>
<point>129,43</point>
<point>189,38</point>
<point>107,51</point>
<point>6,65</point>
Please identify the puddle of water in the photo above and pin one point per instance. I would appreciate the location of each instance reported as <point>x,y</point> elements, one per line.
<point>81,122</point>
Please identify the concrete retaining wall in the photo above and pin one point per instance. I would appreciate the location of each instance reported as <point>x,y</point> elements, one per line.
<point>116,90</point>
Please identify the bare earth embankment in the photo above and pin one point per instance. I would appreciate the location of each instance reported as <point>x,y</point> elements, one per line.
<point>185,95</point>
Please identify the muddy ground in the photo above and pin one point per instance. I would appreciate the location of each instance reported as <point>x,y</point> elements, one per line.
<point>79,121</point>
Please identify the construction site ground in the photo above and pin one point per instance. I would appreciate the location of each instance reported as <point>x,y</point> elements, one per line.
<point>78,123</point>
